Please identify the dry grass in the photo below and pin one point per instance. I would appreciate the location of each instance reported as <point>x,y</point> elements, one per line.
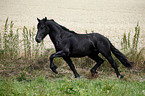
<point>24,69</point>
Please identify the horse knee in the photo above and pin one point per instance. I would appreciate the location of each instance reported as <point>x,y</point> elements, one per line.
<point>100,61</point>
<point>114,65</point>
<point>51,58</point>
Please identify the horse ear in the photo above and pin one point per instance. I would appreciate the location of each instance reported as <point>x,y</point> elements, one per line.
<point>38,19</point>
<point>45,19</point>
<point>52,20</point>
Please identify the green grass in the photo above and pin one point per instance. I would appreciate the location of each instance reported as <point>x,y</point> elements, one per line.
<point>74,87</point>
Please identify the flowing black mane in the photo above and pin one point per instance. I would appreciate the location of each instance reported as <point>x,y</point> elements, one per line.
<point>64,28</point>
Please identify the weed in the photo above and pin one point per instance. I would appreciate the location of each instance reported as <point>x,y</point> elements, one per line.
<point>132,50</point>
<point>11,44</point>
<point>22,76</point>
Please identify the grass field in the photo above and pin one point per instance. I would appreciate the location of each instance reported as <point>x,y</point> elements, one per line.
<point>65,86</point>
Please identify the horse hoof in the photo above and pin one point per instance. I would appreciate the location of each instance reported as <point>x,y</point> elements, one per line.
<point>121,76</point>
<point>77,76</point>
<point>93,72</point>
<point>55,72</point>
<point>54,69</point>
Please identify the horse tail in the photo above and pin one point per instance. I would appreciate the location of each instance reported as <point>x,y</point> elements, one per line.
<point>121,57</point>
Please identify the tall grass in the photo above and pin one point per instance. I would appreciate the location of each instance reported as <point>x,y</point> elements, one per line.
<point>130,47</point>
<point>8,42</point>
<point>12,42</point>
<point>126,40</point>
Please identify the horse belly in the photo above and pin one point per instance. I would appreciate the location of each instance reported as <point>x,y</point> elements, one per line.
<point>81,51</point>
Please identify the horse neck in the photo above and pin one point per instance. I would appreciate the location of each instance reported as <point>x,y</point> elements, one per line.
<point>55,34</point>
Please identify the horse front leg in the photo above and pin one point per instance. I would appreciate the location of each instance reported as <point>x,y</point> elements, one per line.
<point>71,65</point>
<point>57,54</point>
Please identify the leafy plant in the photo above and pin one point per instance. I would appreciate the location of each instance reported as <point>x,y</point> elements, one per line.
<point>132,50</point>
<point>11,45</point>
<point>9,42</point>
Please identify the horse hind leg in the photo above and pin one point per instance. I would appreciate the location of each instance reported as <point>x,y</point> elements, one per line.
<point>99,62</point>
<point>113,64</point>
<point>104,49</point>
<point>108,56</point>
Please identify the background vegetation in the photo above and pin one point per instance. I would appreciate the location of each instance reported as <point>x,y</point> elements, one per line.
<point>24,68</point>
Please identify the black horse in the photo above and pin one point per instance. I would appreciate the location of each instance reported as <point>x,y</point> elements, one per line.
<point>70,44</point>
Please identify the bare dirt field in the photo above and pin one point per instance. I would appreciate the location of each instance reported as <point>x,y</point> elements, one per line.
<point>108,17</point>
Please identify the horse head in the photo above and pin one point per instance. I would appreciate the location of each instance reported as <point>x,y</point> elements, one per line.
<point>43,30</point>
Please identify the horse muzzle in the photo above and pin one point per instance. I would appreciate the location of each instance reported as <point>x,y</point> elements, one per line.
<point>38,40</point>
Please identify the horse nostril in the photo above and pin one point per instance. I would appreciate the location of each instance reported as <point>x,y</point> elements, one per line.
<point>38,40</point>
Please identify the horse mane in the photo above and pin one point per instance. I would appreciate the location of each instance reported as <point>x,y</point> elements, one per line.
<point>64,28</point>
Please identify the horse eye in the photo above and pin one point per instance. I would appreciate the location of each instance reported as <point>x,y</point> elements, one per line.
<point>41,27</point>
